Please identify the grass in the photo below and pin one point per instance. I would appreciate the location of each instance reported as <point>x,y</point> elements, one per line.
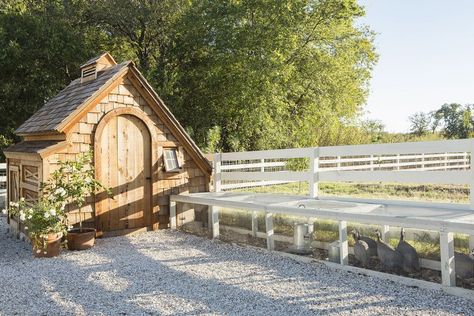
<point>424,192</point>
<point>325,230</point>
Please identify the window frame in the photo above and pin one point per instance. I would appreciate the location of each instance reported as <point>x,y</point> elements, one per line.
<point>176,161</point>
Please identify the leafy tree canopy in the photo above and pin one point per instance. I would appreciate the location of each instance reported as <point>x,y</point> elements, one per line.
<point>453,120</point>
<point>239,75</point>
<point>420,123</point>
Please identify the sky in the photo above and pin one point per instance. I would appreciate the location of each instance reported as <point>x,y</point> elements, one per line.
<point>426,57</point>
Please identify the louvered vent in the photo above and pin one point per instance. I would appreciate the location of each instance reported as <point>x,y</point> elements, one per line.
<point>89,73</point>
<point>93,67</point>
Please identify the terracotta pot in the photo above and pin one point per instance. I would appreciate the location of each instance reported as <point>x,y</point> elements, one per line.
<point>53,245</point>
<point>78,239</point>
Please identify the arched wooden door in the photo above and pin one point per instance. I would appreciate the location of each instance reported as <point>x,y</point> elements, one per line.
<point>124,165</point>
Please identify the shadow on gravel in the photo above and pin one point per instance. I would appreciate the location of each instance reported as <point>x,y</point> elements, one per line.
<point>149,279</point>
<point>182,275</point>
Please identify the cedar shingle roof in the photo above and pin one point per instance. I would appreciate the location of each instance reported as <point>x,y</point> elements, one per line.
<point>67,101</point>
<point>59,111</point>
<point>31,146</point>
<point>95,59</point>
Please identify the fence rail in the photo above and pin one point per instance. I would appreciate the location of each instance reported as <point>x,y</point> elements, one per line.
<point>437,162</point>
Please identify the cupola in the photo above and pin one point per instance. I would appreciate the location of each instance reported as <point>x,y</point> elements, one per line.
<point>90,69</point>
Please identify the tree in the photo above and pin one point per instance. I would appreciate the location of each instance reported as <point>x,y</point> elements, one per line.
<point>270,74</point>
<point>420,123</point>
<point>147,27</point>
<point>455,120</point>
<point>239,75</point>
<point>41,50</point>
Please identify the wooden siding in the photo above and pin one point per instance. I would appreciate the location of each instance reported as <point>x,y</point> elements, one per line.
<point>189,179</point>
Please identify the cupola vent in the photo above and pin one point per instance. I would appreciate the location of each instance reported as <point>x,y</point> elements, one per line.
<point>92,67</point>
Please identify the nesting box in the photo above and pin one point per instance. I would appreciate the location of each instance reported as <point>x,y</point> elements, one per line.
<point>141,151</point>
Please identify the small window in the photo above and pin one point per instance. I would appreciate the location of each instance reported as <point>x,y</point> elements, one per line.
<point>170,156</point>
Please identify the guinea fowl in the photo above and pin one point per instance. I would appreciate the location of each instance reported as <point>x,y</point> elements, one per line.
<point>411,262</point>
<point>390,258</point>
<point>369,241</point>
<point>464,265</point>
<point>361,250</point>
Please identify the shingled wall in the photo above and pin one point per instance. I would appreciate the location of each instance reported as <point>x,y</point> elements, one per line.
<point>191,179</point>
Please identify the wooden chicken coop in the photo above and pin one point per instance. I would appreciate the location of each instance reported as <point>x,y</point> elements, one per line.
<point>141,151</point>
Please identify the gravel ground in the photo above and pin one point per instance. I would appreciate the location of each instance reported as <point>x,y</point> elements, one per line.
<point>172,273</point>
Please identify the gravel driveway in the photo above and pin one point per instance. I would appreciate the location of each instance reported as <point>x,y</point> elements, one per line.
<point>172,273</point>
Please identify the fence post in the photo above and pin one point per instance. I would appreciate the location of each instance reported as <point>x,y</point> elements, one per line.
<point>343,243</point>
<point>172,214</point>
<point>269,231</point>
<point>448,275</point>
<point>217,172</point>
<point>471,190</point>
<point>214,221</point>
<point>314,173</point>
<point>213,211</point>
<point>313,181</point>
<point>254,223</point>
<point>254,213</point>
<point>385,233</point>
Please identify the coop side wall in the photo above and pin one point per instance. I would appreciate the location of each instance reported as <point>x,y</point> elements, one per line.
<point>190,180</point>
<point>24,176</point>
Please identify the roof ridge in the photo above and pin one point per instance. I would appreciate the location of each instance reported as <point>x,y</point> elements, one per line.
<point>96,58</point>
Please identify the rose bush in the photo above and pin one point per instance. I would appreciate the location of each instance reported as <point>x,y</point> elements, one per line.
<point>40,219</point>
<point>72,183</point>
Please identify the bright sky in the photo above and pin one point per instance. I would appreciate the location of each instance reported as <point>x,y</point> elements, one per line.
<point>426,50</point>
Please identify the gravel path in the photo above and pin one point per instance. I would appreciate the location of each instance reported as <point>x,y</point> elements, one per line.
<point>171,273</point>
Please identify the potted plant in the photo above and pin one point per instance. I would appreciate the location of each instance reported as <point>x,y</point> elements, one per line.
<point>44,224</point>
<point>71,184</point>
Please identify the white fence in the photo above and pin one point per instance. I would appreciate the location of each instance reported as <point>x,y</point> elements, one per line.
<point>437,162</point>
<point>3,183</point>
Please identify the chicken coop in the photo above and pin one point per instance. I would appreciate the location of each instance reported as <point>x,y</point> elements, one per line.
<point>141,152</point>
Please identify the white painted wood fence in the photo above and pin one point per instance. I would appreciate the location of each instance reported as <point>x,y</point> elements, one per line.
<point>436,162</point>
<point>446,161</point>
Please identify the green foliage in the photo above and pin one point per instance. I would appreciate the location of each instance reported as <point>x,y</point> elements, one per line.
<point>420,123</point>
<point>72,183</point>
<point>297,164</point>
<point>452,120</point>
<point>241,75</point>
<point>40,219</point>
<point>271,74</point>
<point>146,28</point>
<point>455,120</point>
<point>425,192</point>
<point>4,143</point>
<point>213,140</point>
<point>41,49</point>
